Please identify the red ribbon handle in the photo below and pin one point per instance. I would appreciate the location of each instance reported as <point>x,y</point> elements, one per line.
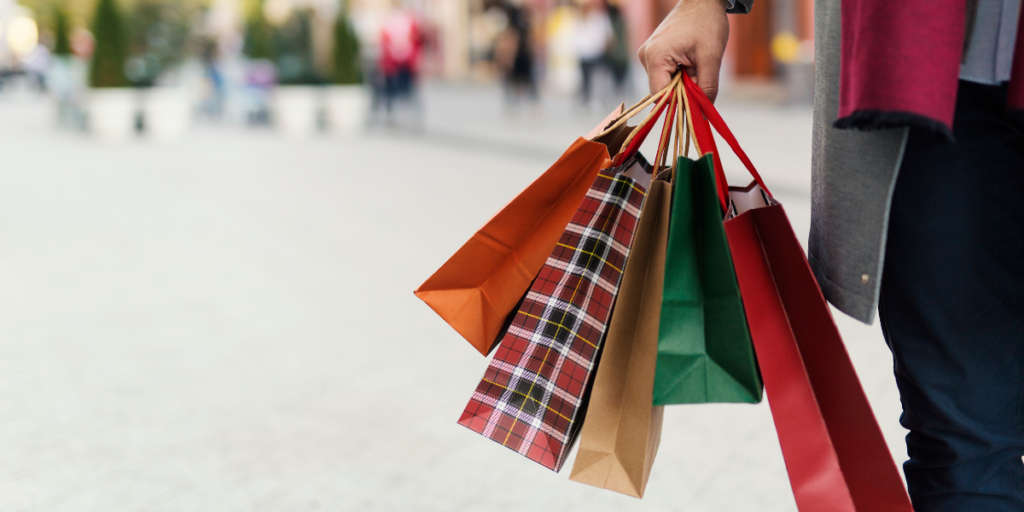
<point>638,139</point>
<point>703,105</point>
<point>706,144</point>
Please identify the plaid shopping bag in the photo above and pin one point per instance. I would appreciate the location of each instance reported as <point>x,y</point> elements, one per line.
<point>531,396</point>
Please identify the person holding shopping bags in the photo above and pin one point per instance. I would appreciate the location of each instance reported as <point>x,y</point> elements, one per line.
<point>918,165</point>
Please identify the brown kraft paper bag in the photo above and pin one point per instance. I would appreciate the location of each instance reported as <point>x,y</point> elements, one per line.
<point>622,430</point>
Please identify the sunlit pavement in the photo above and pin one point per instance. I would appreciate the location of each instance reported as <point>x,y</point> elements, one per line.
<point>227,323</point>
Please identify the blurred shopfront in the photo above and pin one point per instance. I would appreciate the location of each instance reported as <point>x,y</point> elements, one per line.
<point>772,45</point>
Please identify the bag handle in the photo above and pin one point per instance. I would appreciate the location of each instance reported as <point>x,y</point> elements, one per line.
<point>705,143</point>
<point>682,138</point>
<point>666,134</point>
<point>632,111</point>
<point>701,103</point>
<point>636,108</point>
<point>631,145</point>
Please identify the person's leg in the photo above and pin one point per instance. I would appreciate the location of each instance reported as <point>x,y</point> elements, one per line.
<point>620,71</point>
<point>587,71</point>
<point>390,91</point>
<point>952,309</point>
<point>407,82</point>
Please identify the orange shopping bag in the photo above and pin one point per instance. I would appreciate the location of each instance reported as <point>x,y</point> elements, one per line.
<point>477,288</point>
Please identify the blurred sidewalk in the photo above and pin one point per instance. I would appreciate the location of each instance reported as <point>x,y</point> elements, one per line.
<point>227,324</point>
<point>472,116</point>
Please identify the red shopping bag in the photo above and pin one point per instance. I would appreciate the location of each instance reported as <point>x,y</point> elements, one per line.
<point>835,454</point>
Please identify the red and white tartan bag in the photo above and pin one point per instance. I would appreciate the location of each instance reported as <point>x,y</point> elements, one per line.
<point>531,397</point>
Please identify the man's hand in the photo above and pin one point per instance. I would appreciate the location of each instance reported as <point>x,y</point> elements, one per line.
<point>692,35</point>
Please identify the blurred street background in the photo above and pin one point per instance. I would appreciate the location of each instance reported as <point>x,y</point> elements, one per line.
<point>213,214</point>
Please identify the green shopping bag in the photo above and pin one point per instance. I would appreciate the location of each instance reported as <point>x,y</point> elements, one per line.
<point>705,353</point>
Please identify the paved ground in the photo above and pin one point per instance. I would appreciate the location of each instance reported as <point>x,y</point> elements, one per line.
<point>227,324</point>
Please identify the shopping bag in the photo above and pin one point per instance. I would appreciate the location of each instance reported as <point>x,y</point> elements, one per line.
<point>835,454</point>
<point>532,391</point>
<point>620,437</point>
<point>480,285</point>
<point>704,349</point>
<point>531,398</point>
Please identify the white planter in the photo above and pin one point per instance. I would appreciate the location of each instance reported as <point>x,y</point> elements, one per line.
<point>65,79</point>
<point>294,109</point>
<point>112,113</point>
<point>347,108</point>
<point>167,113</point>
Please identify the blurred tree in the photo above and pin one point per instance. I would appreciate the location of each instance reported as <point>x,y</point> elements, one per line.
<point>346,51</point>
<point>293,50</point>
<point>61,30</point>
<point>111,52</point>
<point>80,13</point>
<point>159,37</point>
<point>257,38</point>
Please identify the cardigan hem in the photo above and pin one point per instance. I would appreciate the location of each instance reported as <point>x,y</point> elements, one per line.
<point>873,120</point>
<point>857,304</point>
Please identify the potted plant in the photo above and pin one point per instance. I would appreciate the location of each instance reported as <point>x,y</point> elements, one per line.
<point>347,99</point>
<point>61,33</point>
<point>112,102</point>
<point>295,105</point>
<point>159,36</point>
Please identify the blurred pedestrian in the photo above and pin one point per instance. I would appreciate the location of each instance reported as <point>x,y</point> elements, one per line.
<point>618,55</point>
<point>260,79</point>
<point>917,166</point>
<point>401,45</point>
<point>213,104</point>
<point>513,55</point>
<point>35,66</point>
<point>593,34</point>
<point>368,23</point>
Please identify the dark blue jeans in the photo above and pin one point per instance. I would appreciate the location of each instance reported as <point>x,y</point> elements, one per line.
<point>952,308</point>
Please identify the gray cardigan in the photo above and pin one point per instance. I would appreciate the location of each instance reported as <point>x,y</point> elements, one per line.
<point>853,173</point>
<point>852,180</point>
